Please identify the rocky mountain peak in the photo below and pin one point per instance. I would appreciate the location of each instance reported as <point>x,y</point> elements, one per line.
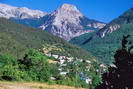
<point>69,7</point>
<point>67,12</point>
<point>8,12</point>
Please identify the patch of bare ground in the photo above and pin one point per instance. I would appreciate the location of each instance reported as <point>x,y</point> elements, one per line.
<point>32,85</point>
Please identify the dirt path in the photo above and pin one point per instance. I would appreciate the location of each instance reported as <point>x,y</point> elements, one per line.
<point>16,85</point>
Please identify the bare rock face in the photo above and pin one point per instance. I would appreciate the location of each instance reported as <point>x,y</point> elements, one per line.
<point>97,25</point>
<point>8,12</point>
<point>64,22</point>
<point>108,29</point>
<point>68,22</point>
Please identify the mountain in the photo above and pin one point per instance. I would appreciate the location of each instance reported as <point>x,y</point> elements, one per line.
<point>105,47</point>
<point>8,11</point>
<point>125,18</point>
<point>16,39</point>
<point>67,22</point>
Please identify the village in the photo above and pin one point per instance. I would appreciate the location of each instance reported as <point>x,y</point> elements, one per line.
<point>65,62</point>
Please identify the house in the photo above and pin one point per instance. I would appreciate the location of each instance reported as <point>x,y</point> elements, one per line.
<point>112,65</point>
<point>88,80</point>
<point>62,61</point>
<point>88,61</point>
<point>70,59</point>
<point>63,73</point>
<point>52,78</point>
<point>102,65</point>
<point>56,56</point>
<point>48,54</point>
<point>62,57</point>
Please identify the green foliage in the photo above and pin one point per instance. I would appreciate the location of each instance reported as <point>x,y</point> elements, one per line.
<point>10,72</point>
<point>96,80</point>
<point>36,58</point>
<point>16,39</point>
<point>7,59</point>
<point>9,68</point>
<point>104,48</point>
<point>119,76</point>
<point>37,66</point>
<point>32,65</point>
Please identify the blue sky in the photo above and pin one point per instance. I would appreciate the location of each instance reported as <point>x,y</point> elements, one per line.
<point>102,10</point>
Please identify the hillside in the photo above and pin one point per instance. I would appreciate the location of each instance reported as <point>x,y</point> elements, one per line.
<point>104,48</point>
<point>54,60</point>
<point>16,39</point>
<point>104,42</point>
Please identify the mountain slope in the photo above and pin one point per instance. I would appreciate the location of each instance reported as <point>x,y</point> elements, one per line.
<point>104,47</point>
<point>16,39</point>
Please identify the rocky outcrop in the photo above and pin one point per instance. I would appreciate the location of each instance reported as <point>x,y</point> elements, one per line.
<point>97,25</point>
<point>108,29</point>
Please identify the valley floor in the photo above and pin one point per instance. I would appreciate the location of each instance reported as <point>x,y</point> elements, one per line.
<point>32,85</point>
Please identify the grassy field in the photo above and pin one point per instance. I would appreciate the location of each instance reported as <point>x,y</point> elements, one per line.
<point>32,85</point>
